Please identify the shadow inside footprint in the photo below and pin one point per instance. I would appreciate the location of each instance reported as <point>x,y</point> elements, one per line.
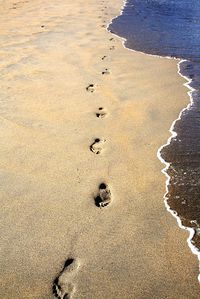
<point>112,48</point>
<point>104,196</point>
<point>106,72</point>
<point>103,57</point>
<point>62,287</point>
<point>68,262</point>
<point>101,113</point>
<point>97,146</point>
<point>90,88</point>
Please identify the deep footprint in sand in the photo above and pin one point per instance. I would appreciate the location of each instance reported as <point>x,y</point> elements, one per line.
<point>105,72</point>
<point>97,146</point>
<point>101,113</point>
<point>104,196</point>
<point>90,88</point>
<point>102,58</point>
<point>62,286</point>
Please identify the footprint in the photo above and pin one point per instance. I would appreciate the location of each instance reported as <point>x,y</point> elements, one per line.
<point>62,286</point>
<point>101,113</point>
<point>103,26</point>
<point>90,88</point>
<point>112,48</point>
<point>104,196</point>
<point>103,57</point>
<point>106,72</point>
<point>97,146</point>
<point>112,38</point>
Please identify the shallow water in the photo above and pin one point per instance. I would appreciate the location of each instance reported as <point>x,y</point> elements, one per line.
<point>172,28</point>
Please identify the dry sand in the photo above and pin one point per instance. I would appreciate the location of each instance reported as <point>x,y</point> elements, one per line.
<point>50,52</point>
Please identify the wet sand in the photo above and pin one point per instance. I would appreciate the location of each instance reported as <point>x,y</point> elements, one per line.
<point>81,187</point>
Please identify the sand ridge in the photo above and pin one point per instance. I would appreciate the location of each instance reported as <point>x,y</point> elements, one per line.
<point>77,224</point>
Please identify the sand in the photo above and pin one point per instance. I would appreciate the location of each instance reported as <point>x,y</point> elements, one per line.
<point>51,51</point>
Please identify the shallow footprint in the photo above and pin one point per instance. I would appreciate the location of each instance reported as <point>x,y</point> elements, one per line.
<point>104,196</point>
<point>112,48</point>
<point>106,72</point>
<point>90,88</point>
<point>97,146</point>
<point>101,113</point>
<point>62,287</point>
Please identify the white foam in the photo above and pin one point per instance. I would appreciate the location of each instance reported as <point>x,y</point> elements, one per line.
<point>191,231</point>
<point>123,40</point>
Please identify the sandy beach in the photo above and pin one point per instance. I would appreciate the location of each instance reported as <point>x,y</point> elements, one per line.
<point>81,119</point>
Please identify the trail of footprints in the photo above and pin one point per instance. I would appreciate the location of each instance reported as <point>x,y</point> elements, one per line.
<point>104,197</point>
<point>63,286</point>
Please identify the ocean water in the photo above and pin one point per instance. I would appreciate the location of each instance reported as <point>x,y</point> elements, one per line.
<point>172,28</point>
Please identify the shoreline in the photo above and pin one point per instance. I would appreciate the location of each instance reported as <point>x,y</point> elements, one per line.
<point>191,231</point>
<point>56,76</point>
<point>188,80</point>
